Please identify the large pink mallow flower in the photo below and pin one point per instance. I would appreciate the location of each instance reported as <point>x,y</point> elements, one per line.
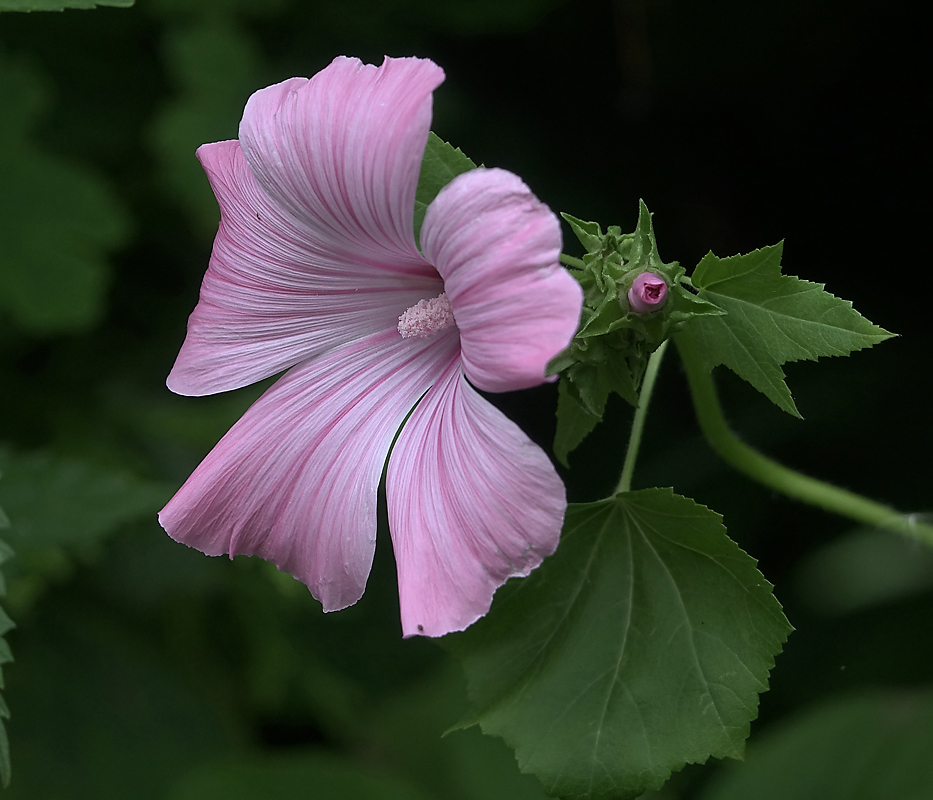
<point>315,269</point>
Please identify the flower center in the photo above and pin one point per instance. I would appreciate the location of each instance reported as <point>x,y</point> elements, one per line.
<point>426,317</point>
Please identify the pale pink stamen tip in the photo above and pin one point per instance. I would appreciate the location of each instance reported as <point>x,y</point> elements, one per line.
<point>648,293</point>
<point>426,317</point>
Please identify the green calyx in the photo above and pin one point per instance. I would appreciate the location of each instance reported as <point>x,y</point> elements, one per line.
<point>611,349</point>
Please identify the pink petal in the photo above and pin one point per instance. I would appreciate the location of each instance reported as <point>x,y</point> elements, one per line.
<point>472,501</point>
<point>273,295</point>
<point>497,248</point>
<point>295,480</point>
<point>342,151</point>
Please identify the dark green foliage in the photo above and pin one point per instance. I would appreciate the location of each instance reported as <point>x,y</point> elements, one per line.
<point>58,221</point>
<point>771,319</point>
<point>863,747</point>
<point>641,645</point>
<point>611,350</point>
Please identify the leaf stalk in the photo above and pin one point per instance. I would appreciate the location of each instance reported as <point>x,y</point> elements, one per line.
<point>775,475</point>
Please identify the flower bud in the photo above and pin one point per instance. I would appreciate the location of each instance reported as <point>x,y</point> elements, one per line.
<point>648,293</point>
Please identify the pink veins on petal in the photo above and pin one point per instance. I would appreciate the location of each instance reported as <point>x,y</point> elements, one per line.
<point>315,270</point>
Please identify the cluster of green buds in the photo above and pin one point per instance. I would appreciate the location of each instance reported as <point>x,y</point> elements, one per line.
<point>632,302</point>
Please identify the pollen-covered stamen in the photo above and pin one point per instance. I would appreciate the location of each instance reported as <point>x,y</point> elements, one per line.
<point>426,317</point>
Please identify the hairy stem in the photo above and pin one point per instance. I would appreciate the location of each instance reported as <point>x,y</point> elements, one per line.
<point>769,472</point>
<point>638,423</point>
<point>570,261</point>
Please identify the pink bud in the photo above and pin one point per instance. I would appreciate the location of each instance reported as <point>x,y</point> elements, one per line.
<point>648,293</point>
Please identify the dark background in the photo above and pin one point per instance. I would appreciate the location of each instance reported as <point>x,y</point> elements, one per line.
<point>739,125</point>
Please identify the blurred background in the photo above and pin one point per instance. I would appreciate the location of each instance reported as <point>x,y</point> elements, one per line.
<point>146,670</point>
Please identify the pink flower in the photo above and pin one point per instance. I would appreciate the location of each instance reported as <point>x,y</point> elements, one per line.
<point>315,269</point>
<point>647,293</point>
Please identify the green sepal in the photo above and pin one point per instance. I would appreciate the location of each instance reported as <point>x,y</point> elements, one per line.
<point>442,163</point>
<point>772,319</point>
<point>641,645</point>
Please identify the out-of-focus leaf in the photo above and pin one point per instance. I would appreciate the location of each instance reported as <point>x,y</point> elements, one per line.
<point>318,775</point>
<point>640,646</point>
<point>176,9</point>
<point>407,731</point>
<point>215,67</point>
<point>865,747</point>
<point>57,502</point>
<point>59,5</point>
<point>58,221</point>
<point>100,715</point>
<point>865,568</point>
<point>61,507</point>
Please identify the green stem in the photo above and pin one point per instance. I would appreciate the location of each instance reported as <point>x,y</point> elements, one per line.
<point>570,261</point>
<point>638,423</point>
<point>769,472</point>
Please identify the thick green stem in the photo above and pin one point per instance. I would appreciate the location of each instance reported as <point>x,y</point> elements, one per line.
<point>638,423</point>
<point>570,261</point>
<point>769,472</point>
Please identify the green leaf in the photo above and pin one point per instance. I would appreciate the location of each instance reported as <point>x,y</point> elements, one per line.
<point>640,646</point>
<point>441,164</point>
<point>865,747</point>
<point>60,5</point>
<point>772,319</point>
<point>574,421</point>
<point>583,392</point>
<point>58,221</point>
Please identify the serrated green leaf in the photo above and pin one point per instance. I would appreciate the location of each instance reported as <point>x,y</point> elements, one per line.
<point>60,5</point>
<point>640,646</point>
<point>441,164</point>
<point>574,422</point>
<point>771,319</point>
<point>58,221</point>
<point>866,747</point>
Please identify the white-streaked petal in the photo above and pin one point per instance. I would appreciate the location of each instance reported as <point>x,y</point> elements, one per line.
<point>342,151</point>
<point>295,479</point>
<point>472,501</point>
<point>274,296</point>
<point>497,247</point>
